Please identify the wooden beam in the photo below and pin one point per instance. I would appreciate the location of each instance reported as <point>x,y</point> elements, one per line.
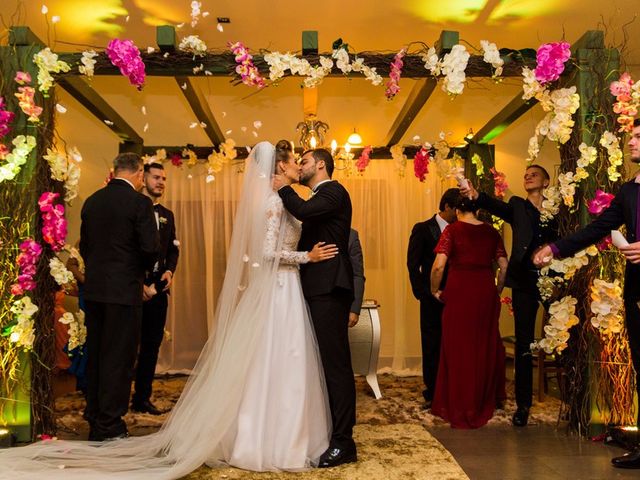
<point>310,42</point>
<point>98,106</point>
<point>166,38</point>
<point>420,93</point>
<point>201,110</point>
<point>309,95</point>
<point>505,117</point>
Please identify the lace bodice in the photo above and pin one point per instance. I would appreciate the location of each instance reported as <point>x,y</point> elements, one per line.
<point>276,214</point>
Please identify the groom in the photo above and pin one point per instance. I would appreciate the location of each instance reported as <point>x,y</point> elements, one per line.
<point>328,289</point>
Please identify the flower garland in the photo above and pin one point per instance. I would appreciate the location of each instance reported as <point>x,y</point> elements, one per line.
<point>452,67</point>
<point>88,63</point>
<point>77,328</point>
<point>6,117</point>
<point>59,272</point>
<point>612,144</point>
<point>560,105</point>
<point>607,304</point>
<point>54,225</point>
<point>126,56</point>
<point>588,155</point>
<point>48,62</point>
<point>22,78</point>
<point>23,332</point>
<point>550,204</point>
<point>499,182</point>
<point>491,55</point>
<point>556,332</point>
<point>395,72</point>
<point>245,68</point>
<point>399,159</point>
<point>550,59</point>
<point>627,94</point>
<point>23,145</point>
<point>600,202</point>
<point>30,252</point>
<point>477,161</point>
<point>421,163</point>
<point>567,267</point>
<point>27,103</point>
<point>567,188</point>
<point>363,160</point>
<point>227,152</point>
<point>65,168</point>
<point>193,44</point>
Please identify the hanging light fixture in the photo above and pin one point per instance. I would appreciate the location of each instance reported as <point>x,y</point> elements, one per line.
<point>312,133</point>
<point>355,138</point>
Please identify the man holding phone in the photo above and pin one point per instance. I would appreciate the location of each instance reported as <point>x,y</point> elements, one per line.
<point>156,290</point>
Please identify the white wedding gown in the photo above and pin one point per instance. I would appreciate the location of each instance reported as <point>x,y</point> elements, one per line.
<point>282,423</point>
<point>257,399</point>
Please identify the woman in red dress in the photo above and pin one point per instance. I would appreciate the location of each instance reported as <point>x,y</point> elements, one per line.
<point>471,375</point>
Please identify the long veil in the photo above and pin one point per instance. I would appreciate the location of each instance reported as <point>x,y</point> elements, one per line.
<point>207,410</point>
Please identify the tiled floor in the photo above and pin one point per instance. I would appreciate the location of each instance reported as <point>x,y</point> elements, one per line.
<point>534,452</point>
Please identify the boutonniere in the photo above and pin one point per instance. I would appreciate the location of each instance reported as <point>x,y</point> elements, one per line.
<point>162,219</point>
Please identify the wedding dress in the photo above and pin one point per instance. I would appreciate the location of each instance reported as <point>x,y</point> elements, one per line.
<point>257,398</point>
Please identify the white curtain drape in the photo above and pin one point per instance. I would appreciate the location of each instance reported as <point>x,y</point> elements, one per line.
<point>385,208</point>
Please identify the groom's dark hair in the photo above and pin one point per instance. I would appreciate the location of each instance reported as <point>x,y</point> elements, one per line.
<point>149,166</point>
<point>324,155</point>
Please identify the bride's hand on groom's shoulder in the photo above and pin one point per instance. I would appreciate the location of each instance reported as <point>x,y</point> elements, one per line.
<point>321,252</point>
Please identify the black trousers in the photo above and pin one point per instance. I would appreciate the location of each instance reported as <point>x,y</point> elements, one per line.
<point>525,305</point>
<point>330,316</point>
<point>632,322</point>
<point>113,332</point>
<point>154,318</point>
<point>430,333</point>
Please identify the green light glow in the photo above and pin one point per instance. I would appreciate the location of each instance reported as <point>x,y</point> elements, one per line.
<point>517,9</point>
<point>458,11</point>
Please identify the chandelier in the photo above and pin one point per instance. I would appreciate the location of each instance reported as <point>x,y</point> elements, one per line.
<point>312,132</point>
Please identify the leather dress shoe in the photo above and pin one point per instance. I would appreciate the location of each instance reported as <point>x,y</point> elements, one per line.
<point>521,417</point>
<point>628,460</point>
<point>333,457</point>
<point>145,407</point>
<point>124,434</point>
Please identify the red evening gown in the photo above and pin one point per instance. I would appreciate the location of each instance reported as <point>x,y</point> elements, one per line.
<point>471,374</point>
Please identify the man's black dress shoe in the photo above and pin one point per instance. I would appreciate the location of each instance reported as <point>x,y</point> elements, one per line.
<point>521,417</point>
<point>628,460</point>
<point>145,407</point>
<point>337,456</point>
<point>116,437</point>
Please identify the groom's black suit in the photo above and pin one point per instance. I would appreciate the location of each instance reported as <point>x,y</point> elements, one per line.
<point>328,289</point>
<point>118,242</point>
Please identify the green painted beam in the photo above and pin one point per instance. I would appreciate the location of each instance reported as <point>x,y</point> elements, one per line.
<point>166,38</point>
<point>420,93</point>
<point>309,42</point>
<point>23,37</point>
<point>79,89</point>
<point>201,110</point>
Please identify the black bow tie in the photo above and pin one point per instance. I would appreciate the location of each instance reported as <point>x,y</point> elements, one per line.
<point>156,207</point>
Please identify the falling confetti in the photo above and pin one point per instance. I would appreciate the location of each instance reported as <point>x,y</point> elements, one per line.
<point>61,108</point>
<point>220,27</point>
<point>184,86</point>
<point>146,127</point>
<point>228,132</point>
<point>255,265</point>
<point>244,129</point>
<point>180,25</point>
<point>210,178</point>
<point>193,124</point>
<point>245,258</point>
<point>189,176</point>
<point>208,73</point>
<point>108,122</point>
<point>203,125</point>
<point>127,19</point>
<point>44,10</point>
<point>255,134</point>
<point>248,149</point>
<point>166,54</point>
<point>416,139</point>
<point>55,19</point>
<point>224,114</point>
<point>144,110</point>
<point>150,50</point>
<point>257,124</point>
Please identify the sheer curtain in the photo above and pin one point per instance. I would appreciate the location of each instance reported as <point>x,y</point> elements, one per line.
<point>385,208</point>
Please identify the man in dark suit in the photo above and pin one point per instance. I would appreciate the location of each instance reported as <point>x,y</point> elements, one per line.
<point>529,233</point>
<point>420,256</point>
<point>156,291</point>
<point>118,242</point>
<point>357,263</point>
<point>328,289</point>
<point>624,210</point>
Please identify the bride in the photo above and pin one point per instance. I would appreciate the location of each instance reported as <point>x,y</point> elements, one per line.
<point>257,398</point>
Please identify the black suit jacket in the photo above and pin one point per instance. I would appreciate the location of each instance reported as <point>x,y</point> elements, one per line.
<point>326,217</point>
<point>118,242</point>
<point>420,256</point>
<point>169,251</point>
<point>357,263</point>
<point>522,221</point>
<point>623,210</point>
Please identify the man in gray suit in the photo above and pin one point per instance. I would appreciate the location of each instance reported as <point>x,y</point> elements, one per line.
<point>355,255</point>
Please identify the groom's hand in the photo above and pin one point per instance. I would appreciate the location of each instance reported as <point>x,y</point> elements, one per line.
<point>280,181</point>
<point>353,319</point>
